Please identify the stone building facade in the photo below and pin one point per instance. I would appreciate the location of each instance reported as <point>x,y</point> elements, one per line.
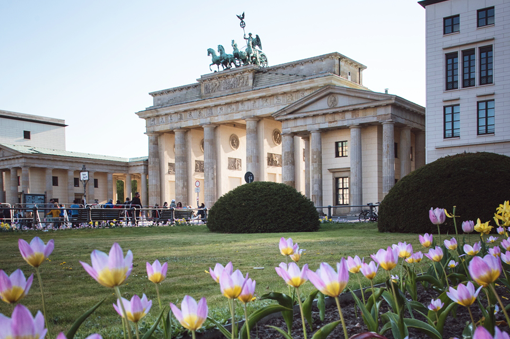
<point>309,123</point>
<point>39,164</point>
<point>467,46</point>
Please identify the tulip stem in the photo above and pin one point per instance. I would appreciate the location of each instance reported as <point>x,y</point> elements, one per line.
<point>193,334</point>
<point>394,295</point>
<point>42,297</point>
<point>136,331</point>
<point>159,299</point>
<point>301,309</point>
<point>342,317</point>
<point>471,314</point>
<point>233,317</point>
<point>124,327</point>
<point>361,288</point>
<point>500,304</point>
<point>445,277</point>
<point>437,274</point>
<point>373,291</point>
<point>246,321</point>
<point>454,221</point>
<point>119,296</point>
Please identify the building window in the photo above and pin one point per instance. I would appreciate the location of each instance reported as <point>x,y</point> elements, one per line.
<point>486,117</point>
<point>468,68</point>
<point>451,24</point>
<point>452,71</point>
<point>411,154</point>
<point>486,65</point>
<point>452,121</point>
<point>486,16</point>
<point>76,182</point>
<point>55,181</point>
<point>341,149</point>
<point>395,150</point>
<point>19,181</point>
<point>96,183</point>
<point>342,191</point>
<point>26,135</point>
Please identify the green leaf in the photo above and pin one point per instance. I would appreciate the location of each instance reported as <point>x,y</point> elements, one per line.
<point>389,299</point>
<point>430,279</point>
<point>148,334</point>
<point>307,308</point>
<point>285,301</point>
<point>256,316</point>
<point>321,305</point>
<point>282,332</point>
<point>418,306</point>
<point>220,327</point>
<point>468,331</point>
<point>367,316</point>
<point>326,330</point>
<point>77,323</point>
<point>367,335</point>
<point>385,328</point>
<point>395,329</point>
<point>443,316</point>
<point>423,327</point>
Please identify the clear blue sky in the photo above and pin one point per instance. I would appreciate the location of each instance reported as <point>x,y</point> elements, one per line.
<point>93,63</point>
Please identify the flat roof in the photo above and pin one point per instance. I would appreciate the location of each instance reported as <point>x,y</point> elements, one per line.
<point>32,118</point>
<point>425,3</point>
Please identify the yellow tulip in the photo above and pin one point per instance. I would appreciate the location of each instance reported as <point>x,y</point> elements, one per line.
<point>483,227</point>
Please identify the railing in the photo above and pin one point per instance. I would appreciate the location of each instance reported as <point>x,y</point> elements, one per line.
<point>330,208</point>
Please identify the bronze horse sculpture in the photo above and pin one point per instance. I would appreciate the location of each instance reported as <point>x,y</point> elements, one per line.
<point>215,59</point>
<point>239,56</point>
<point>227,60</point>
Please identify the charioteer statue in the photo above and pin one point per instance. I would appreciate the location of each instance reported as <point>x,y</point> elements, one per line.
<point>250,56</point>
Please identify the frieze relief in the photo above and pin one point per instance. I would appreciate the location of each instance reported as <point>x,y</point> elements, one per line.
<point>234,164</point>
<point>274,160</point>
<point>226,84</point>
<point>171,168</point>
<point>199,166</point>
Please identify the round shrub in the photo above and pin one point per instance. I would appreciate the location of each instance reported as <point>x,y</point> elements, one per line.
<point>474,182</point>
<point>263,207</point>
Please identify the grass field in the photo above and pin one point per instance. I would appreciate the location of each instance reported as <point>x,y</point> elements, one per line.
<point>189,251</point>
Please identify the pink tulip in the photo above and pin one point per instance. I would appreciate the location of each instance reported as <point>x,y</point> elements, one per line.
<point>388,258</point>
<point>35,253</point>
<point>505,244</point>
<point>468,226</point>
<point>111,269</point>
<point>328,281</point>
<point>136,309</point>
<point>491,239</point>
<point>218,270</point>
<point>22,325</point>
<point>435,254</point>
<point>472,251</point>
<point>291,273</point>
<point>61,335</point>
<point>435,305</point>
<point>248,291</point>
<point>354,264</point>
<point>417,257</point>
<point>287,247</point>
<point>155,272</point>
<point>500,230</point>
<point>192,316</point>
<point>296,256</point>
<point>482,333</point>
<point>404,249</point>
<point>452,264</point>
<point>437,216</point>
<point>426,240</point>
<point>451,244</point>
<point>506,257</point>
<point>15,287</point>
<point>231,285</point>
<point>485,271</point>
<point>495,252</point>
<point>369,270</point>
<point>464,295</point>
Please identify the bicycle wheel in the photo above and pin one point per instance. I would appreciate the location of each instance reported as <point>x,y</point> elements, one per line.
<point>363,216</point>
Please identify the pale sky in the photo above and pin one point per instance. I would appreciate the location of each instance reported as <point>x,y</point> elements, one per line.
<point>93,63</point>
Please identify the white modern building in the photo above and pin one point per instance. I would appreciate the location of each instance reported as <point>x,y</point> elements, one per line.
<point>468,77</point>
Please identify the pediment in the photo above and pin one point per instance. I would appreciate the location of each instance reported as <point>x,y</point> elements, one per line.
<point>7,152</point>
<point>332,98</point>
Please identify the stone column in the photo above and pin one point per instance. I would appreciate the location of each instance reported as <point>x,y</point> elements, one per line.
<point>91,189</point>
<point>307,166</point>
<point>316,168</point>
<point>154,170</point>
<point>210,192</point>
<point>25,180</point>
<point>13,199</point>
<point>405,151</point>
<point>356,183</point>
<point>388,170</point>
<point>288,170</point>
<point>70,186</point>
<point>252,147</point>
<point>109,186</point>
<point>144,189</point>
<point>2,193</point>
<point>128,190</point>
<point>49,184</point>
<point>419,153</point>
<point>181,167</point>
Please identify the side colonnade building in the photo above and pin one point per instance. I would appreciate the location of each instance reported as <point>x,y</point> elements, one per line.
<point>310,124</point>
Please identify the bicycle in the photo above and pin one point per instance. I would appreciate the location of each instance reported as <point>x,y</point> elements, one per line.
<point>369,215</point>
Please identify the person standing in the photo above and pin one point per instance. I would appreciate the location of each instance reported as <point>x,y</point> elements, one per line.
<point>136,203</point>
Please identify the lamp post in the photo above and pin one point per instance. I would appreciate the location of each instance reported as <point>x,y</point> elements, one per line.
<point>84,177</point>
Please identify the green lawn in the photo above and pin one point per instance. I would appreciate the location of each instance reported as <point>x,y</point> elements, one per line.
<point>189,251</point>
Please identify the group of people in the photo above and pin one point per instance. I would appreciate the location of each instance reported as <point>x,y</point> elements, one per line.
<point>157,209</point>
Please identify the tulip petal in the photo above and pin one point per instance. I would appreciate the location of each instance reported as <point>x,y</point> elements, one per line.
<point>48,249</point>
<point>177,312</point>
<point>5,282</point>
<point>22,323</point>
<point>136,304</point>
<point>116,257</point>
<point>118,309</point>
<point>99,260</point>
<point>93,273</point>
<point>37,245</point>
<point>202,309</point>
<point>18,279</point>
<point>5,325</point>
<point>150,271</point>
<point>94,336</point>
<point>164,269</point>
<point>25,249</point>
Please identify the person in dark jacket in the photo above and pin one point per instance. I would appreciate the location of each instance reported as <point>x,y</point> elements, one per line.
<point>136,203</point>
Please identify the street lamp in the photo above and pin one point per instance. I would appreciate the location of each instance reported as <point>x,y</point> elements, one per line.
<point>84,177</point>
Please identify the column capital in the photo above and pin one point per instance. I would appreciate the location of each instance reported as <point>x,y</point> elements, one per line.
<point>251,118</point>
<point>406,127</point>
<point>152,134</point>
<point>388,122</point>
<point>288,134</point>
<point>181,130</point>
<point>204,126</point>
<point>315,130</point>
<point>354,127</point>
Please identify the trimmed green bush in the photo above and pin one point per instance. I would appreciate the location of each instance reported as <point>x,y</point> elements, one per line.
<point>263,207</point>
<point>474,182</point>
